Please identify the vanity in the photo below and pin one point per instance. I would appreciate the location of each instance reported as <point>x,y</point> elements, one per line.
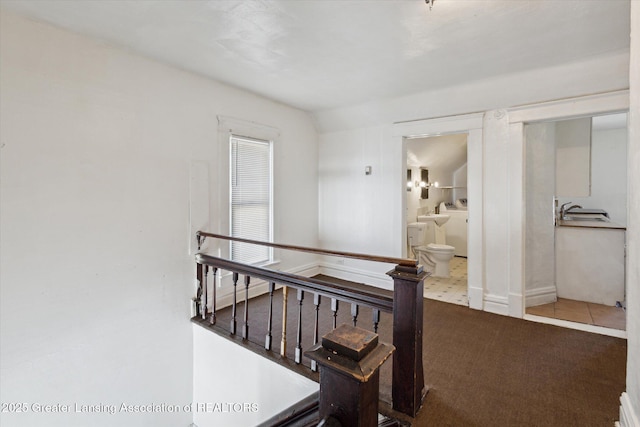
<point>590,260</point>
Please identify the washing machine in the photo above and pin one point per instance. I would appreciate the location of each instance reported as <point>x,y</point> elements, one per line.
<point>456,227</point>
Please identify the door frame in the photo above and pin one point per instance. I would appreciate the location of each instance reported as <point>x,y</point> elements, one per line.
<point>470,124</point>
<point>604,103</point>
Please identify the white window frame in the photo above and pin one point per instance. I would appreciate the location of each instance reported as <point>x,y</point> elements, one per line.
<point>221,222</point>
<point>232,184</point>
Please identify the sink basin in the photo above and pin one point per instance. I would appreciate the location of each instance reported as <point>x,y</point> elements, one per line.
<point>439,219</point>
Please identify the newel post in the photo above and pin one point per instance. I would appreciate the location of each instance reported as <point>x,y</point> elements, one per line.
<point>407,388</point>
<point>349,360</point>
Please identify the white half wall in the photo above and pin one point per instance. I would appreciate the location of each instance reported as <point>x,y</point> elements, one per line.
<point>240,388</point>
<point>95,274</point>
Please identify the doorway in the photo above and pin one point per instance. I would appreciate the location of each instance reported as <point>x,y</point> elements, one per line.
<point>438,197</point>
<point>471,125</point>
<point>576,204</point>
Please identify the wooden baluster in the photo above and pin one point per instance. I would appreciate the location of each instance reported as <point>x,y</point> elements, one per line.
<point>268,338</point>
<point>283,342</point>
<point>316,303</point>
<point>212,319</point>
<point>203,302</point>
<point>298,353</point>
<point>376,319</point>
<point>354,313</point>
<point>245,326</point>
<point>233,307</point>
<point>198,298</point>
<point>334,309</point>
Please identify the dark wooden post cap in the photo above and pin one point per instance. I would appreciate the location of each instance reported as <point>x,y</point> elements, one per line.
<point>352,351</point>
<point>349,341</point>
<point>411,274</point>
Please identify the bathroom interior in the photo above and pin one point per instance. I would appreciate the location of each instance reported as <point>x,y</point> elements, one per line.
<point>437,215</point>
<point>576,216</point>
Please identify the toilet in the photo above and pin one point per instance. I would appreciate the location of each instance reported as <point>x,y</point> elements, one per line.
<point>435,257</point>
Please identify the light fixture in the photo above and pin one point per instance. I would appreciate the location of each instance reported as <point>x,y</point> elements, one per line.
<point>424,184</point>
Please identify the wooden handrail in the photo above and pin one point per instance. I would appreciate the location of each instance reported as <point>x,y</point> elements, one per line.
<point>379,301</point>
<point>405,304</point>
<point>408,262</point>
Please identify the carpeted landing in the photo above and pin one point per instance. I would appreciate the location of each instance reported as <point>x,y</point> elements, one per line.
<point>481,369</point>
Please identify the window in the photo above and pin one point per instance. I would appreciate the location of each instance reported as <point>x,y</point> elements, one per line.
<point>251,198</point>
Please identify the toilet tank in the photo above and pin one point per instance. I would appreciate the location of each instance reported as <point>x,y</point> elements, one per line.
<point>416,232</point>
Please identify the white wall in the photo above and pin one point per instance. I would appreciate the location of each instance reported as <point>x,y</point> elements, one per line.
<point>242,388</point>
<point>354,214</point>
<point>540,151</point>
<point>96,278</point>
<point>630,409</point>
<point>460,181</point>
<point>604,73</point>
<point>501,175</point>
<point>608,175</point>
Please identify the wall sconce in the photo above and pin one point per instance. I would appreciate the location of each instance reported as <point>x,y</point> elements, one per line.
<point>423,184</point>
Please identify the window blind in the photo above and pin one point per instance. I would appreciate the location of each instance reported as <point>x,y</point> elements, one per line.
<point>251,198</point>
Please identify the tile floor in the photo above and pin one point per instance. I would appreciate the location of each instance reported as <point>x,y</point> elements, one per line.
<point>582,312</point>
<point>452,289</point>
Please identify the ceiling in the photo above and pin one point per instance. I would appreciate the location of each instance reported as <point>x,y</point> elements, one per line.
<point>321,54</point>
<point>444,153</point>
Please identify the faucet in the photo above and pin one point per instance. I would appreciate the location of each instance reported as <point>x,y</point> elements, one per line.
<point>564,211</point>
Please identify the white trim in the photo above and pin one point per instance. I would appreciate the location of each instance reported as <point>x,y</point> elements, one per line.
<point>540,296</point>
<point>357,275</point>
<point>247,128</point>
<point>220,176</point>
<point>555,110</point>
<point>438,126</point>
<point>627,416</point>
<point>475,218</point>
<point>476,296</point>
<point>608,102</point>
<point>577,326</point>
<point>516,215</point>
<point>472,125</point>
<point>496,304</point>
<point>516,305</point>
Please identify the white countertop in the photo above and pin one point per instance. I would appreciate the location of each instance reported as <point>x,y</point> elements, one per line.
<point>591,224</point>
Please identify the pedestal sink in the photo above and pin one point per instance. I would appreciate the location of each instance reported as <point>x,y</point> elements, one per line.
<point>439,219</point>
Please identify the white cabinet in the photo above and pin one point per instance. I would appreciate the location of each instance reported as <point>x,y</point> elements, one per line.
<point>590,264</point>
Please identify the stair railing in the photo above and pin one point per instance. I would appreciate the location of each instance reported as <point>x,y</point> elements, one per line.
<point>405,304</point>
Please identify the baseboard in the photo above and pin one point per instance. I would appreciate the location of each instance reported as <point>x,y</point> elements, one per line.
<point>516,305</point>
<point>343,272</point>
<point>476,298</point>
<point>540,296</point>
<point>496,304</point>
<point>627,416</point>
<point>260,287</point>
